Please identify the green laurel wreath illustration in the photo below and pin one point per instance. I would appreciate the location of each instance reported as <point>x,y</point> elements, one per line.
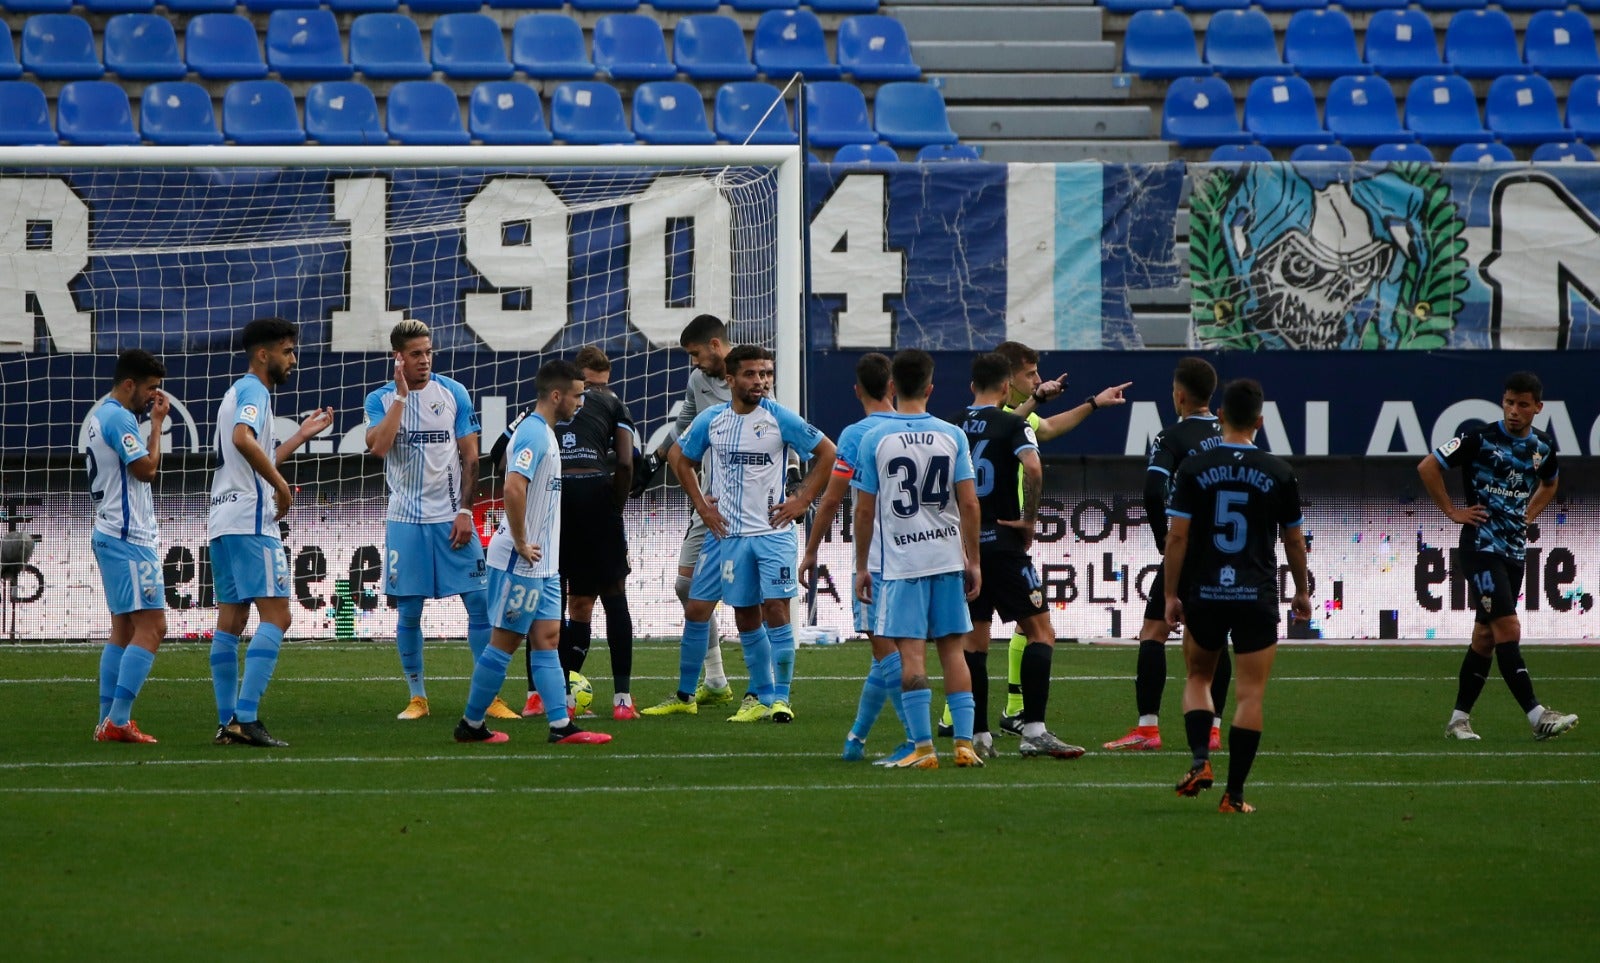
<point>1215,291</point>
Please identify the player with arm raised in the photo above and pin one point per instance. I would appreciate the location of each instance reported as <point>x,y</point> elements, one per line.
<point>248,564</point>
<point>126,536</point>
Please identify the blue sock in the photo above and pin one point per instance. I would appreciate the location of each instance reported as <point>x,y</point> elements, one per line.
<point>889,665</point>
<point>225,673</point>
<point>782,638</point>
<point>871,702</point>
<point>408,640</point>
<point>110,665</point>
<point>478,628</point>
<point>691,653</point>
<point>136,663</point>
<point>758,662</point>
<point>260,658</point>
<point>963,712</point>
<point>488,675</point>
<point>550,682</point>
<point>919,715</point>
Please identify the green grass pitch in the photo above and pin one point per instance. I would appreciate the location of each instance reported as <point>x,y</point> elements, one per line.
<point>689,838</point>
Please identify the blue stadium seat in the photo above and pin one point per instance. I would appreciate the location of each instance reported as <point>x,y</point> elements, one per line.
<point>344,113</point>
<point>94,112</point>
<point>1482,43</point>
<point>1565,152</point>
<point>1560,43</point>
<point>261,113</point>
<point>199,6</point>
<point>267,6</point>
<point>1322,43</point>
<point>1207,6</point>
<point>1482,152</point>
<point>223,46</point>
<point>1282,112</point>
<point>444,6</point>
<point>1527,5</point>
<point>1442,109</point>
<point>60,46</point>
<point>1160,44</point>
<point>1322,153</point>
<point>874,48</point>
<point>507,112</point>
<point>1368,5</point>
<point>1446,6</point>
<point>1405,151</point>
<point>38,6</point>
<point>1134,6</point>
<point>1521,109</point>
<point>1593,6</point>
<point>1361,109</point>
<point>1240,154</point>
<point>711,47</point>
<point>143,46</point>
<point>179,113</point>
<point>843,6</point>
<point>589,112</point>
<point>687,6</point>
<point>606,6</point>
<point>549,46</point>
<point>112,6</point>
<point>10,69</point>
<point>388,46</point>
<point>469,46</point>
<point>526,4</point>
<point>788,42</point>
<point>866,154</point>
<point>1200,112</point>
<point>630,46</point>
<point>909,114</point>
<point>364,6</point>
<point>1291,6</point>
<point>1583,107</point>
<point>24,115</point>
<point>836,114</point>
<point>305,45</point>
<point>425,112</point>
<point>949,152</point>
<point>1400,43</point>
<point>670,112</point>
<point>758,6</point>
<point>1242,43</point>
<point>740,107</point>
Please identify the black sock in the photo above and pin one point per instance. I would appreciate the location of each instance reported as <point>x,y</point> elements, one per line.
<point>1515,672</point>
<point>1036,660</point>
<point>1197,725</point>
<point>619,639</point>
<point>1219,684</point>
<point>978,665</point>
<point>574,646</point>
<point>527,663</point>
<point>1242,746</point>
<point>1150,676</point>
<point>1474,673</point>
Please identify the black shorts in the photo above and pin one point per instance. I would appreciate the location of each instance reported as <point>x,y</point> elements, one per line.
<point>594,548</point>
<point>1494,583</point>
<point>1009,586</point>
<point>1251,627</point>
<point>1156,607</point>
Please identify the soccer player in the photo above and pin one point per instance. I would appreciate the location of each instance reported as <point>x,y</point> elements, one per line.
<point>125,536</point>
<point>926,548</point>
<point>423,426</point>
<point>1229,505</point>
<point>1499,464</point>
<point>248,564</point>
<point>748,560</point>
<point>524,576</point>
<point>1194,381</point>
<point>1002,447</point>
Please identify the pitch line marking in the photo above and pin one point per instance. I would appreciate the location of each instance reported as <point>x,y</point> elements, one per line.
<point>363,679</point>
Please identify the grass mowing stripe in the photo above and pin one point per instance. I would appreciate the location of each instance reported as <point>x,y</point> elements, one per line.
<point>194,680</point>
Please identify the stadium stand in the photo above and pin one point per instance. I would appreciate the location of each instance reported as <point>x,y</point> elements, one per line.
<point>1566,152</point>
<point>24,115</point>
<point>1442,109</point>
<point>118,6</point>
<point>60,46</point>
<point>1322,153</point>
<point>178,113</point>
<point>1482,152</point>
<point>469,46</point>
<point>1560,43</point>
<point>549,46</point>
<point>686,6</point>
<point>39,6</point>
<point>1322,43</point>
<point>1241,43</point>
<point>388,46</point>
<point>670,112</point>
<point>1282,112</point>
<point>1583,107</point>
<point>631,46</point>
<point>836,114</point>
<point>1361,110</point>
<point>1409,152</point>
<point>789,42</point>
<point>711,47</point>
<point>142,46</point>
<point>201,6</point>
<point>223,46</point>
<point>261,113</point>
<point>1401,43</point>
<point>872,47</point>
<point>507,112</point>
<point>425,112</point>
<point>1200,112</point>
<point>365,6</point>
<point>1239,154</point>
<point>10,69</point>
<point>909,114</point>
<point>343,112</point>
<point>444,6</point>
<point>588,112</point>
<point>1521,109</point>
<point>95,112</point>
<point>949,152</point>
<point>1482,43</point>
<point>606,6</point>
<point>306,45</point>
<point>750,111</point>
<point>1161,44</point>
<point>865,154</point>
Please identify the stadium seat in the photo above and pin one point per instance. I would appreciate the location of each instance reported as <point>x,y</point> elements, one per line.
<point>1369,5</point>
<point>343,112</point>
<point>305,45</point>
<point>1583,107</point>
<point>1291,6</point>
<point>606,6</point>
<point>388,46</point>
<point>589,112</point>
<point>1528,5</point>
<point>630,46</point>
<point>1406,151</point>
<point>261,113</point>
<point>1241,43</point>
<point>365,6</point>
<point>1451,5</point>
<point>60,46</point>
<point>1442,109</point>
<point>1240,154</point>
<point>193,7</point>
<point>549,46</point>
<point>1200,112</point>
<point>836,114</point>
<point>843,6</point>
<point>740,107</point>
<point>38,6</point>
<point>687,6</point>
<point>1322,43</point>
<point>10,69</point>
<point>1400,43</point>
<point>1560,43</point>
<point>866,154</point>
<point>143,46</point>
<point>711,47</point>
<point>789,42</point>
<point>469,46</point>
<point>1209,6</point>
<point>909,114</point>
<point>223,46</point>
<point>1282,112</point>
<point>1566,152</point>
<point>1482,152</point>
<point>670,112</point>
<point>267,6</point>
<point>1160,44</point>
<point>949,152</point>
<point>1361,109</point>
<point>874,48</point>
<point>24,115</point>
<point>112,6</point>
<point>425,112</point>
<point>94,112</point>
<point>759,6</point>
<point>507,112</point>
<point>444,6</point>
<point>1521,109</point>
<point>177,112</point>
<point>1323,153</point>
<point>1482,43</point>
<point>1134,6</point>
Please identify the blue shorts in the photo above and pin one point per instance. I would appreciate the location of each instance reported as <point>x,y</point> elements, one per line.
<point>866,613</point>
<point>706,584</point>
<point>248,567</point>
<point>130,573</point>
<point>930,607</point>
<point>418,560</point>
<point>517,601</point>
<point>750,569</point>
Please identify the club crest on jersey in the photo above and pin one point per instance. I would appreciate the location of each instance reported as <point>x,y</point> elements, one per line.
<point>1036,599</point>
<point>1227,576</point>
<point>249,413</point>
<point>130,442</point>
<point>524,459</point>
<point>437,407</point>
<point>759,428</point>
<point>1538,460</point>
<point>569,439</point>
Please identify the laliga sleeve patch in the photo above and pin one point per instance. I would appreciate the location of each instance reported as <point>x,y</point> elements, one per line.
<point>1028,432</point>
<point>524,459</point>
<point>249,413</point>
<point>130,442</point>
<point>1450,447</point>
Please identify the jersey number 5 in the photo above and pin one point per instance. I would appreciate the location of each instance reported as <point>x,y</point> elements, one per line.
<point>934,488</point>
<point>1233,528</point>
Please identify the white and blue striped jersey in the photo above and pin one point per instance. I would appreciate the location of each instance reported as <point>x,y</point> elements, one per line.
<point>241,501</point>
<point>123,507</point>
<point>534,456</point>
<point>744,460</point>
<point>423,468</point>
<point>849,455</point>
<point>912,463</point>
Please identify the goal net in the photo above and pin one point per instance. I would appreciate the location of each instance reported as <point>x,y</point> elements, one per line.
<point>513,258</point>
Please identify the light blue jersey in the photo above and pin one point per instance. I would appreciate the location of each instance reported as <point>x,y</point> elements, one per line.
<point>423,468</point>
<point>123,507</point>
<point>241,502</point>
<point>533,455</point>
<point>912,463</point>
<point>844,464</point>
<point>745,460</point>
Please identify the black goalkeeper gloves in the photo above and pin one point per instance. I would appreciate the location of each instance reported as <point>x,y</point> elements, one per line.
<point>645,470</point>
